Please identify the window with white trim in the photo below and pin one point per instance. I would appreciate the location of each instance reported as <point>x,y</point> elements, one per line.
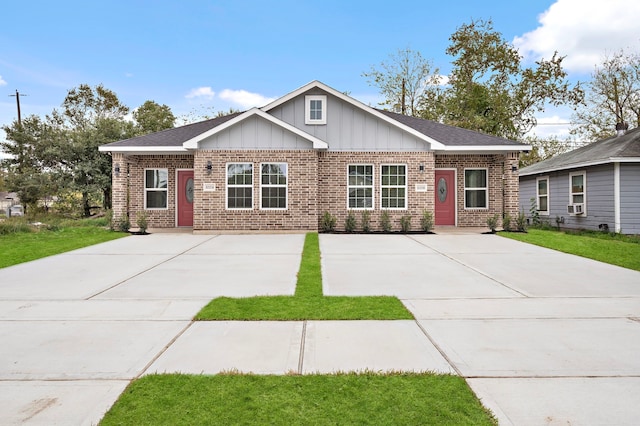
<point>360,186</point>
<point>155,189</point>
<point>239,186</point>
<point>476,191</point>
<point>577,187</point>
<point>542,195</point>
<point>273,186</point>
<point>393,186</point>
<point>315,109</point>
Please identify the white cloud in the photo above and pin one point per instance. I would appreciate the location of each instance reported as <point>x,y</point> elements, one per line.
<point>245,99</point>
<point>583,31</point>
<point>554,125</point>
<point>201,92</point>
<point>2,81</point>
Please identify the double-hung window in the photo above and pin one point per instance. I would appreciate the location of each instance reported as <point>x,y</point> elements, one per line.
<point>155,188</point>
<point>360,186</point>
<point>240,186</point>
<point>475,189</point>
<point>393,186</point>
<point>542,195</point>
<point>315,109</point>
<point>577,188</point>
<point>273,186</point>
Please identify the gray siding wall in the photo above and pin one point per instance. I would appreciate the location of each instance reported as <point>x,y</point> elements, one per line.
<point>599,200</point>
<point>349,128</point>
<point>630,198</point>
<point>255,133</point>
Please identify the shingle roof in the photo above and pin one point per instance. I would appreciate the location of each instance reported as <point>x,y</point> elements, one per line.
<point>449,135</point>
<point>174,137</point>
<point>603,151</point>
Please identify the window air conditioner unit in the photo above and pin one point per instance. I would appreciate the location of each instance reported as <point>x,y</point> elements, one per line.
<point>575,209</point>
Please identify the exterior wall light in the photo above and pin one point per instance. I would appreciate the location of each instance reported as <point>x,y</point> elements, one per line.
<point>208,167</point>
<point>421,168</point>
<point>116,169</point>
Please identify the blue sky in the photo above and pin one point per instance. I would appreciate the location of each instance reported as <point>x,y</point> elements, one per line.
<point>204,55</point>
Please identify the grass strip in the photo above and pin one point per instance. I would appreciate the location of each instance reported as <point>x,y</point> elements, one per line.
<point>597,247</point>
<point>308,303</point>
<point>26,246</point>
<point>354,398</point>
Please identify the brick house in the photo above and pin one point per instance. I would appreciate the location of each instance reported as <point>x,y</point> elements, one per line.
<point>315,150</point>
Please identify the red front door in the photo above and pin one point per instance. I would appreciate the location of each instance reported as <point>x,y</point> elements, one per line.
<point>185,197</point>
<point>445,190</point>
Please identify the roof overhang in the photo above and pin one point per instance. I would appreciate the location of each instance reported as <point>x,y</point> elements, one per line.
<point>582,164</point>
<point>317,84</point>
<point>482,149</point>
<point>145,150</point>
<point>193,142</point>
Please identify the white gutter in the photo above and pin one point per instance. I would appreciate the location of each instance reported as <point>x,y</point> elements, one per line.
<point>584,164</point>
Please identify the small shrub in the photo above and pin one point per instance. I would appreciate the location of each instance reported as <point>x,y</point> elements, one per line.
<point>350,222</point>
<point>405,223</point>
<point>533,212</point>
<point>426,221</point>
<point>14,226</point>
<point>506,222</point>
<point>366,221</point>
<point>492,222</point>
<point>123,224</point>
<point>141,221</point>
<point>328,222</point>
<point>108,215</point>
<point>521,221</point>
<point>385,221</point>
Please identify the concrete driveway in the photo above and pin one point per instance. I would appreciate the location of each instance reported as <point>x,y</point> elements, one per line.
<point>542,337</point>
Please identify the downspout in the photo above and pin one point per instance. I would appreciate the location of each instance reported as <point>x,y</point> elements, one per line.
<point>616,197</point>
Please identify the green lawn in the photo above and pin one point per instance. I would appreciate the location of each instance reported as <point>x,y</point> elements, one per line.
<point>308,303</point>
<point>22,247</point>
<point>343,399</point>
<point>608,248</point>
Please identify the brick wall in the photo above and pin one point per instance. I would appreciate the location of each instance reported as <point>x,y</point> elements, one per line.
<point>317,182</point>
<point>498,165</point>
<point>302,202</point>
<point>332,183</point>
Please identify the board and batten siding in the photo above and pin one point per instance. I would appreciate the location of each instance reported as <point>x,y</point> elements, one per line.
<point>349,128</point>
<point>630,198</point>
<point>255,133</point>
<point>599,204</point>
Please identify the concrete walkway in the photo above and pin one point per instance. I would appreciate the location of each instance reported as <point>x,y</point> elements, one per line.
<point>542,337</point>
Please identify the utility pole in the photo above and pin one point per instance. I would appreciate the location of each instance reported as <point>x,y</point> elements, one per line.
<point>403,108</point>
<point>17,95</point>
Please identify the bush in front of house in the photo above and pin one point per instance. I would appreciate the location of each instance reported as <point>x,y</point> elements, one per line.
<point>123,223</point>
<point>506,222</point>
<point>366,221</point>
<point>385,221</point>
<point>328,222</point>
<point>492,223</point>
<point>521,222</point>
<point>141,221</point>
<point>350,222</point>
<point>405,223</point>
<point>426,221</point>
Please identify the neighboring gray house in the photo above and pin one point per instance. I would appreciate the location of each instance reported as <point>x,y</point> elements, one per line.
<point>594,187</point>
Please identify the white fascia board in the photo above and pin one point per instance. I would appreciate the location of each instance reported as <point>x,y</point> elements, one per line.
<point>482,149</point>
<point>585,164</point>
<point>433,143</point>
<point>144,149</point>
<point>193,142</point>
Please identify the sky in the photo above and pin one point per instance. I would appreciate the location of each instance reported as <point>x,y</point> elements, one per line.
<point>203,56</point>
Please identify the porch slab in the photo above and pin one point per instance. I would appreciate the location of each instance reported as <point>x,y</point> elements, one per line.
<point>538,347</point>
<point>382,346</point>
<point>264,347</point>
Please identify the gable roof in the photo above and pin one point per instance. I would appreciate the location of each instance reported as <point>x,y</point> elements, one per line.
<point>193,142</point>
<point>625,148</point>
<point>440,137</point>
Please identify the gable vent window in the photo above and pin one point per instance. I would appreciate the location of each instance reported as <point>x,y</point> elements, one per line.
<point>315,109</point>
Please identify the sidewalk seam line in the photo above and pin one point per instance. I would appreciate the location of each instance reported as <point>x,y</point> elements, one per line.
<point>439,349</point>
<point>163,350</point>
<point>303,339</point>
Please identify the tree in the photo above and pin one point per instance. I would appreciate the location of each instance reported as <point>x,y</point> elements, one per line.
<point>152,117</point>
<point>90,117</point>
<point>403,80</point>
<point>613,97</point>
<point>544,148</point>
<point>491,92</point>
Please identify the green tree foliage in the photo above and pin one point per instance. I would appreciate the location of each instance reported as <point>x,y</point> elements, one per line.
<point>404,68</point>
<point>543,148</point>
<point>488,89</point>
<point>152,117</point>
<point>613,96</point>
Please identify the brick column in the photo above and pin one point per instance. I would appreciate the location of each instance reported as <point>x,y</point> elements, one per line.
<point>119,186</point>
<point>511,183</point>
